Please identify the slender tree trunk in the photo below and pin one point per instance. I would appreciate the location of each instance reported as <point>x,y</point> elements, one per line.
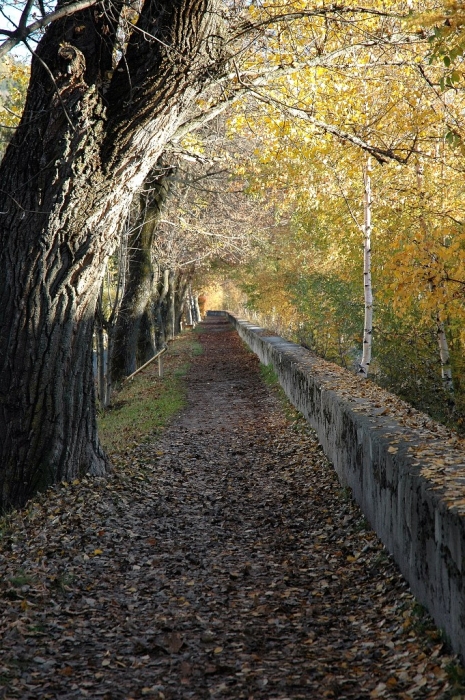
<point>444,355</point>
<point>188,309</point>
<point>192,309</point>
<point>446,369</point>
<point>109,383</point>
<point>180,300</point>
<point>100,352</point>
<point>160,316</point>
<point>198,314</point>
<point>367,287</point>
<point>194,306</point>
<point>89,135</point>
<point>170,306</point>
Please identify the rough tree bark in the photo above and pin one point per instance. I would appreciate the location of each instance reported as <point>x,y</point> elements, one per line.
<point>89,135</point>
<point>147,340</point>
<point>140,275</point>
<point>113,304</point>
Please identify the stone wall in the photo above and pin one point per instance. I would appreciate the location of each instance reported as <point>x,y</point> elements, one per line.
<point>406,472</point>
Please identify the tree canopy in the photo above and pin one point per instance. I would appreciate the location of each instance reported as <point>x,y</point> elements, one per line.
<point>307,98</point>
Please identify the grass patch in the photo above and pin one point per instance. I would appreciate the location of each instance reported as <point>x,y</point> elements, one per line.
<point>268,375</point>
<point>21,579</point>
<point>146,403</point>
<point>197,349</point>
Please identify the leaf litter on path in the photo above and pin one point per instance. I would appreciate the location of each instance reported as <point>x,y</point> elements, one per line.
<point>220,560</point>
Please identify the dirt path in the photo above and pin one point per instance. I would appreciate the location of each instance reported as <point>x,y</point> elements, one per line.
<point>228,563</point>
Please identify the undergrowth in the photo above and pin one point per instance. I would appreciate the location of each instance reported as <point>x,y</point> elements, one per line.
<point>268,375</point>
<point>145,404</point>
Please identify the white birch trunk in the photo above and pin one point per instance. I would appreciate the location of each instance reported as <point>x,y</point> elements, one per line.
<point>188,308</point>
<point>193,310</point>
<point>367,288</point>
<point>444,355</point>
<point>198,315</point>
<point>446,369</point>
<point>188,312</point>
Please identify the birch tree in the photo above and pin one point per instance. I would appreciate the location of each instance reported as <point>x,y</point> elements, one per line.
<point>367,286</point>
<point>443,345</point>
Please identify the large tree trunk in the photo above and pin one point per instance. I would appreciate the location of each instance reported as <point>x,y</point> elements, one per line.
<point>88,138</point>
<point>113,306</point>
<point>147,342</point>
<point>140,277</point>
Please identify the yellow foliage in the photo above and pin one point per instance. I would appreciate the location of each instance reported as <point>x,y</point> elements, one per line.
<point>14,79</point>
<point>364,79</point>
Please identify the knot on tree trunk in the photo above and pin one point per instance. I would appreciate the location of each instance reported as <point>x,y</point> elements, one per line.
<point>73,63</point>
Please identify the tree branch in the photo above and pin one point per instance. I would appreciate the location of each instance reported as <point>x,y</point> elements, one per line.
<point>247,26</point>
<point>382,155</point>
<point>23,32</point>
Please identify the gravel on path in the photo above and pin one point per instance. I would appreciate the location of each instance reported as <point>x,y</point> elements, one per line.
<point>222,560</point>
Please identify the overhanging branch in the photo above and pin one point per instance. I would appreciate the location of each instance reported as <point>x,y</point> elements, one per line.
<point>382,155</point>
<point>334,9</point>
<point>22,32</point>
